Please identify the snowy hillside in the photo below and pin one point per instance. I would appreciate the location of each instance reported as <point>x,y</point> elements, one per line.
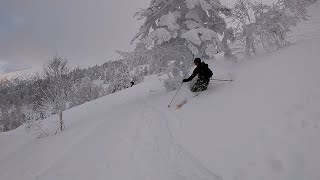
<point>22,74</point>
<point>263,126</point>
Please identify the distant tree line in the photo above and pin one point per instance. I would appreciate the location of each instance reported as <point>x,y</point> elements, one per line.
<point>61,87</point>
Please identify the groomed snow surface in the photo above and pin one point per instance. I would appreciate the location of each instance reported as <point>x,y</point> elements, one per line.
<point>263,126</point>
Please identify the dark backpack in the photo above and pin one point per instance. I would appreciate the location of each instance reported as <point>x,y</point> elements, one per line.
<point>208,73</point>
<point>204,71</point>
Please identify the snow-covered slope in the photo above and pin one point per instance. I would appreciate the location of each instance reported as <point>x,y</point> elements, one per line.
<point>265,125</point>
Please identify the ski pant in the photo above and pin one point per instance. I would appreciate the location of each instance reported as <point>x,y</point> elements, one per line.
<point>200,85</point>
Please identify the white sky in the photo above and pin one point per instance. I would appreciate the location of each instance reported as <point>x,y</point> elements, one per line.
<point>86,32</point>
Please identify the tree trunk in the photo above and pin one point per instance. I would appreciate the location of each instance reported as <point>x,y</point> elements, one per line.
<point>61,121</point>
<point>248,45</point>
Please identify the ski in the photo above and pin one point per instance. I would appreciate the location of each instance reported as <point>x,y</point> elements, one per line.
<point>178,106</point>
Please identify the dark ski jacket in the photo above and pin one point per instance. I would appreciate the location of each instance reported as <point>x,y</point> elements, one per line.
<point>203,72</point>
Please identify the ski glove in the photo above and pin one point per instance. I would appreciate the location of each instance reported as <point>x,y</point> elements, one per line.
<point>185,80</point>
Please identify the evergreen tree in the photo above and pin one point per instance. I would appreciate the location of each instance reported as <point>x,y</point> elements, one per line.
<point>191,23</point>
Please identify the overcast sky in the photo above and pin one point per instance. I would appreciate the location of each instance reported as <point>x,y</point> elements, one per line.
<point>85,31</point>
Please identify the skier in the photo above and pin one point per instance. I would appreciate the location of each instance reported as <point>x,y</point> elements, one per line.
<point>204,75</point>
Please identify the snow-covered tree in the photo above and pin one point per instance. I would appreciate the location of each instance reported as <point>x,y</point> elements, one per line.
<point>228,37</point>
<point>85,90</point>
<point>262,25</point>
<point>121,78</point>
<point>55,88</point>
<point>196,22</point>
<point>246,27</point>
<point>172,61</point>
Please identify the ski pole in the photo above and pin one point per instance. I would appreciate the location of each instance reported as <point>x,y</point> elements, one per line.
<point>221,80</point>
<point>174,95</point>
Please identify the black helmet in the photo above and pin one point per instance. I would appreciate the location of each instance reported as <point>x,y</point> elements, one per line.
<point>197,61</point>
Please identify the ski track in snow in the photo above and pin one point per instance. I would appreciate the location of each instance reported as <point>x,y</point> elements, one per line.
<point>152,152</point>
<point>142,147</point>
